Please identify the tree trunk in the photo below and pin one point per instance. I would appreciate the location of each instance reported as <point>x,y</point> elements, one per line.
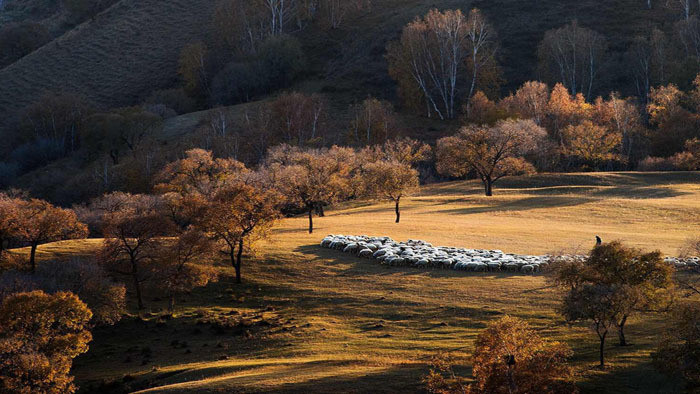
<point>137,287</point>
<point>621,331</point>
<point>602,350</point>
<point>2,242</point>
<point>311,220</point>
<point>488,187</point>
<point>32,258</point>
<point>321,213</point>
<point>238,260</point>
<point>171,303</point>
<point>398,211</point>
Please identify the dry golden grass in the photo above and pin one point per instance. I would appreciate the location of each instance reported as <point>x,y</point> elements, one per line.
<point>351,325</point>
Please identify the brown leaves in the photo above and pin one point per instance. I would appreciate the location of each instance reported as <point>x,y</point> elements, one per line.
<point>40,334</point>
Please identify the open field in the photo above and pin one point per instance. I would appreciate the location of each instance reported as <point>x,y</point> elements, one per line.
<point>320,320</point>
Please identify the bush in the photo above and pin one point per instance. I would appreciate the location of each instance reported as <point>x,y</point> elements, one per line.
<point>655,164</point>
<point>85,278</point>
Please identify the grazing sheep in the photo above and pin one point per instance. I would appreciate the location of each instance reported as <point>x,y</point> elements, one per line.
<point>422,254</point>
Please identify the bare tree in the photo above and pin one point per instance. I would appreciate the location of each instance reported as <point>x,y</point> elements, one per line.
<point>434,53</point>
<point>572,55</point>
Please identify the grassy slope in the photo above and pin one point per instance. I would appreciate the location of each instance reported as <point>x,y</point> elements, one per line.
<point>132,48</point>
<point>125,53</point>
<point>360,327</point>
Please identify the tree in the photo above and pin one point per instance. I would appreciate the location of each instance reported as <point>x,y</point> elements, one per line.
<point>612,284</point>
<point>40,335</point>
<point>590,143</point>
<point>240,213</point>
<point>9,217</point>
<point>596,304</point>
<point>436,52</point>
<point>193,68</point>
<point>312,178</point>
<point>510,357</point>
<point>391,180</point>
<point>299,119</point>
<point>40,222</point>
<point>119,130</point>
<point>373,122</point>
<point>490,152</point>
<point>180,265</point>
<point>335,11</point>
<point>132,240</point>
<point>530,101</point>
<point>57,117</point>
<point>678,351</point>
<point>572,55</point>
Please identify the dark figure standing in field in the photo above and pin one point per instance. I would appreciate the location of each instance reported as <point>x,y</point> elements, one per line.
<point>598,241</point>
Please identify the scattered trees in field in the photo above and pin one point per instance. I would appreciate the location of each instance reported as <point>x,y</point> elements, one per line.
<point>611,285</point>
<point>40,335</point>
<point>40,222</point>
<point>239,214</point>
<point>132,240</point>
<point>310,179</point>
<point>390,180</point>
<point>489,152</point>
<point>442,59</point>
<point>180,266</point>
<point>509,357</point>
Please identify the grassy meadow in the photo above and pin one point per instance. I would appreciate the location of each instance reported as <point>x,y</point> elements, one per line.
<point>317,320</point>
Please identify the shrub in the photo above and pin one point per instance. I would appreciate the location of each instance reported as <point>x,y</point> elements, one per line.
<point>85,278</point>
<point>655,164</point>
<point>281,61</point>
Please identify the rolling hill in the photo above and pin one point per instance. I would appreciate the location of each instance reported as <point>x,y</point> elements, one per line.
<point>322,319</point>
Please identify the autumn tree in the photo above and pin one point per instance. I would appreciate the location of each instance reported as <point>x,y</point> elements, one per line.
<point>611,285</point>
<point>312,178</point>
<point>595,304</point>
<point>510,357</point>
<point>41,222</point>
<point>9,219</point>
<point>572,55</point>
<point>390,180</point>
<point>180,267</point>
<point>674,123</point>
<point>490,152</point>
<point>647,58</point>
<point>591,144</point>
<point>373,122</point>
<point>299,119</point>
<point>40,335</point>
<point>445,56</point>
<point>678,351</point>
<point>133,239</point>
<point>530,102</point>
<point>239,214</point>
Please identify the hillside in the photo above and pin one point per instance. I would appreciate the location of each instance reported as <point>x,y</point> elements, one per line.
<point>334,320</point>
<point>132,48</point>
<point>116,59</point>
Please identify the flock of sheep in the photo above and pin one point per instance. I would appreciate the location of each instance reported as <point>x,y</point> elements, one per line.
<point>421,254</point>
